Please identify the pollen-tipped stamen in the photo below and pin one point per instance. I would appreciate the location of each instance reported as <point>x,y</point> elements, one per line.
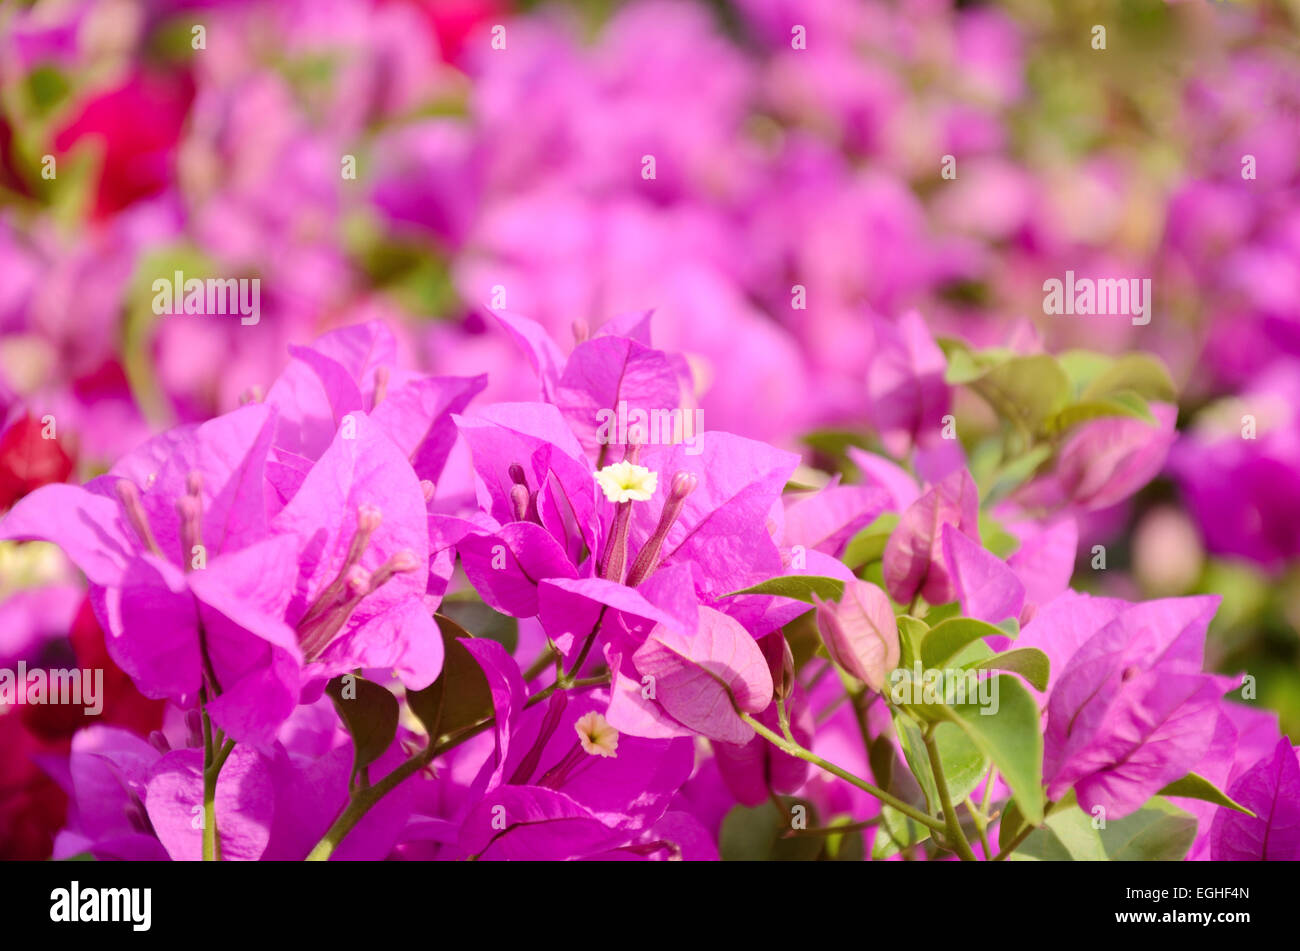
<point>190,509</point>
<point>647,559</point>
<point>315,634</point>
<point>369,518</point>
<point>129,496</point>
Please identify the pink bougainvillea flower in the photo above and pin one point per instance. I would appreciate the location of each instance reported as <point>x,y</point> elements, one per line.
<point>700,682</point>
<point>905,385</point>
<point>987,588</point>
<point>1271,790</point>
<point>358,595</point>
<point>860,632</point>
<point>1104,461</point>
<point>1132,711</point>
<point>175,545</point>
<point>756,770</point>
<point>575,786</point>
<point>913,559</point>
<point>110,769</point>
<point>354,369</point>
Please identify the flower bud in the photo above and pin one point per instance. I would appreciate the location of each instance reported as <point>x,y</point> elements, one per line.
<point>780,661</point>
<point>860,632</point>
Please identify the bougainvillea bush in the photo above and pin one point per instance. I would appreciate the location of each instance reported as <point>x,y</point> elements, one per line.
<point>839,430</point>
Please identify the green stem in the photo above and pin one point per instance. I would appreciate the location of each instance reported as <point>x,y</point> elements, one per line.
<point>211,848</point>
<point>543,661</point>
<point>833,830</point>
<point>981,825</point>
<point>953,834</point>
<point>799,752</point>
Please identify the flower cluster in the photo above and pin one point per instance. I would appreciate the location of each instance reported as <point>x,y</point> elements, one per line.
<point>753,429</point>
<point>645,671</point>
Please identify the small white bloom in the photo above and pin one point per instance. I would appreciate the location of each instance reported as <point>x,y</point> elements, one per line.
<point>625,481</point>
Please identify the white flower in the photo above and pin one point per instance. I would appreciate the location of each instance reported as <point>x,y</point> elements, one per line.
<point>625,481</point>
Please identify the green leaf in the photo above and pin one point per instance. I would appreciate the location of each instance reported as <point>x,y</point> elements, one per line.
<point>946,639</point>
<point>1025,389</point>
<point>965,365</point>
<point>1067,836</point>
<point>913,744</point>
<point>1195,786</point>
<point>1011,736</point>
<point>996,538</point>
<point>370,714</point>
<point>1013,823</point>
<point>845,846</point>
<point>896,832</point>
<point>1009,477</point>
<point>963,762</point>
<point>473,615</point>
<point>758,835</point>
<point>868,545</point>
<point>911,632</point>
<point>799,587</point>
<point>1084,366</point>
<point>1158,832</point>
<point>1086,410</point>
<point>1028,662</point>
<point>1139,373</point>
<point>460,697</point>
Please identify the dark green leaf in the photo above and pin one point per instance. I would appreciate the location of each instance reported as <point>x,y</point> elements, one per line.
<point>370,714</point>
<point>460,697</point>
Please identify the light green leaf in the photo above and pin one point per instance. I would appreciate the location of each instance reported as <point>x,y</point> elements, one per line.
<point>1012,737</point>
<point>1087,410</point>
<point>1025,389</point>
<point>1139,373</point>
<point>1158,832</point>
<point>799,587</point>
<point>911,632</point>
<point>1195,786</point>
<point>868,545</point>
<point>1028,662</point>
<point>943,641</point>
